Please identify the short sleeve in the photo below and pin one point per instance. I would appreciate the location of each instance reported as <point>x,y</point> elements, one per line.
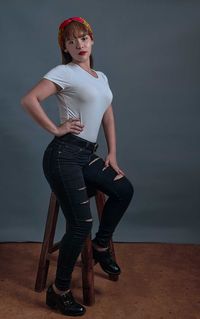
<point>104,76</point>
<point>59,75</point>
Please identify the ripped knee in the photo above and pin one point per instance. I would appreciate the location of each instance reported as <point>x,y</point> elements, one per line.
<point>89,220</point>
<point>94,160</point>
<point>118,177</point>
<point>84,227</point>
<point>85,202</point>
<point>80,189</point>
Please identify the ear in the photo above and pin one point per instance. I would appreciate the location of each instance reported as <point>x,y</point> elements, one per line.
<point>92,42</point>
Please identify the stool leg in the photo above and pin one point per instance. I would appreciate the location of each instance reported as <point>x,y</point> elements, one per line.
<point>47,244</point>
<point>100,202</point>
<point>87,273</point>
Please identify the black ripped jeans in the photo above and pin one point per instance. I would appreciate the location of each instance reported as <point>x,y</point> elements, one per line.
<point>74,173</point>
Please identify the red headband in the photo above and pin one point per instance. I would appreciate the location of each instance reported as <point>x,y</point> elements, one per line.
<point>68,21</point>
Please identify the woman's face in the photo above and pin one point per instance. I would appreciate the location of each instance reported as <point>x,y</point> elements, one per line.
<point>79,47</point>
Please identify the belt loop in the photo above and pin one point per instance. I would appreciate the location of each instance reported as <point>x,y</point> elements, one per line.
<point>95,146</point>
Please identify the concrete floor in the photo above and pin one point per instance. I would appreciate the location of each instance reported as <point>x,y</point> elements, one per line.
<point>158,281</point>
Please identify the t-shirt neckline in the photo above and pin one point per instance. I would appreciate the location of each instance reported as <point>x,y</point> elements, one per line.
<point>87,71</point>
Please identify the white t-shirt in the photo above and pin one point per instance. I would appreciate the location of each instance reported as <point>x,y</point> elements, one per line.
<point>82,96</point>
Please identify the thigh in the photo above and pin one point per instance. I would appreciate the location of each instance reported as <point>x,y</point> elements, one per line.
<point>98,176</point>
<point>66,180</point>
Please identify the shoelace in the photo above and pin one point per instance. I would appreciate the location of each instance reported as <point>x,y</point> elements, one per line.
<point>68,298</point>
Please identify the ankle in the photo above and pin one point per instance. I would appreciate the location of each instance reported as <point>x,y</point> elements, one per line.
<point>58,291</point>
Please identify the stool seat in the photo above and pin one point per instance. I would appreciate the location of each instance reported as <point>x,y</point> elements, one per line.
<point>87,262</point>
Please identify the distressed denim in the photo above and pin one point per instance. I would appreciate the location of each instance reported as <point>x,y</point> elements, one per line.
<point>74,173</point>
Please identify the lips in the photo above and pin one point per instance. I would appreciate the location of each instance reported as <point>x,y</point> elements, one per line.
<point>82,52</point>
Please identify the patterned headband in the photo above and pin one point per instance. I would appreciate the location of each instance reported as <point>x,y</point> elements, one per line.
<point>68,21</point>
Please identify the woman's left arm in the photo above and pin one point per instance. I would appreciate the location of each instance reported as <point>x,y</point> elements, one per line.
<point>108,123</point>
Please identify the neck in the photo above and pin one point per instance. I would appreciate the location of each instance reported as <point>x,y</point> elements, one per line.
<point>85,65</point>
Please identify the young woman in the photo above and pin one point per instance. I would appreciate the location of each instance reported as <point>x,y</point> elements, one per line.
<point>72,168</point>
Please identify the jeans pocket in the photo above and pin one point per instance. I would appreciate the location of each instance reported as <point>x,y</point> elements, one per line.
<point>65,154</point>
<point>73,147</point>
<point>69,150</point>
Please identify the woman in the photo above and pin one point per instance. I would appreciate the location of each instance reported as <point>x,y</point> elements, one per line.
<point>72,168</point>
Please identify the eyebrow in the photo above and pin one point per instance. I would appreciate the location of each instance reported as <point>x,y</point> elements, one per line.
<point>83,35</point>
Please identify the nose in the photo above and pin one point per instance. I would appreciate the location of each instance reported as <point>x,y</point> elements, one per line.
<point>79,44</point>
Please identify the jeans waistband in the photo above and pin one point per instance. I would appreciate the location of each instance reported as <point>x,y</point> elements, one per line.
<point>71,138</point>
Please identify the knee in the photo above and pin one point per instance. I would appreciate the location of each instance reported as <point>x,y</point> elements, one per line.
<point>126,189</point>
<point>129,190</point>
<point>83,228</point>
<point>88,225</point>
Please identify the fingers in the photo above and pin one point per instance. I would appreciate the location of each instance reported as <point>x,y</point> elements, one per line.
<point>116,168</point>
<point>120,172</point>
<point>76,126</point>
<point>73,120</point>
<point>71,125</point>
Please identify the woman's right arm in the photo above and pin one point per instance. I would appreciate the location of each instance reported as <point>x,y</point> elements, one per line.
<point>31,102</point>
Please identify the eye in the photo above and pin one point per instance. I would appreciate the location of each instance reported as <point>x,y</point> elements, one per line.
<point>70,41</point>
<point>84,38</point>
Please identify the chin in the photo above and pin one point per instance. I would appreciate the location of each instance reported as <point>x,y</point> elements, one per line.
<point>83,58</point>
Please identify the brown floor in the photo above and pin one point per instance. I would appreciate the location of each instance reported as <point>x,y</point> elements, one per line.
<point>158,281</point>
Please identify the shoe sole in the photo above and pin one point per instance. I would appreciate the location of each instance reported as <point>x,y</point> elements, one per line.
<point>55,307</point>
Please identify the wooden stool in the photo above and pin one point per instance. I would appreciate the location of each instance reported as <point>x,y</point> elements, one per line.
<point>48,247</point>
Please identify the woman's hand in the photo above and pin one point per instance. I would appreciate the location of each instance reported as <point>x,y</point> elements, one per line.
<point>71,125</point>
<point>111,161</point>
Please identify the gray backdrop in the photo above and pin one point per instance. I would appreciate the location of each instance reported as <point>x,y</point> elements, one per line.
<point>150,53</point>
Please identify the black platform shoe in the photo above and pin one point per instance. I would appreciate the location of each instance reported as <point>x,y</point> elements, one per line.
<point>65,303</point>
<point>106,261</point>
